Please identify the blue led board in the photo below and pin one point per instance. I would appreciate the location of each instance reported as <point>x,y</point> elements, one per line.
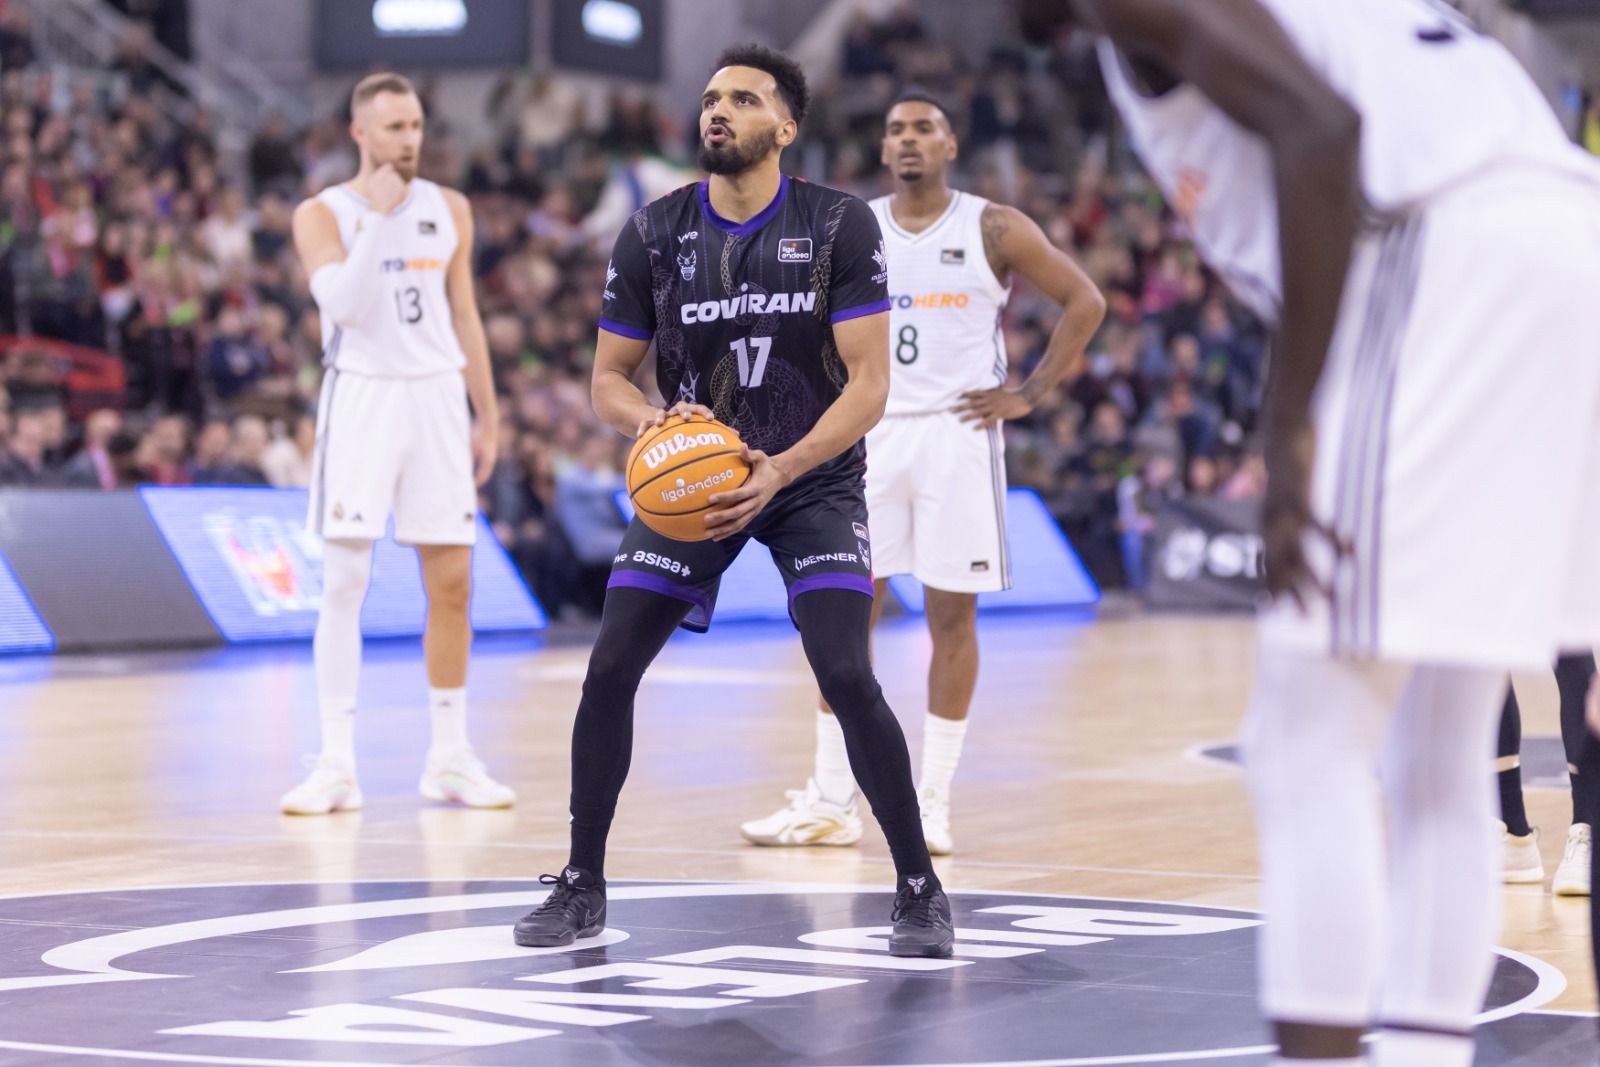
<point>21,628</point>
<point>752,589</point>
<point>1045,571</point>
<point>258,570</point>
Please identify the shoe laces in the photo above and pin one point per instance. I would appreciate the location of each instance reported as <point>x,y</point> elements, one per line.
<point>913,910</point>
<point>465,763</point>
<point>563,898</point>
<point>325,767</point>
<point>804,799</point>
<point>1575,842</point>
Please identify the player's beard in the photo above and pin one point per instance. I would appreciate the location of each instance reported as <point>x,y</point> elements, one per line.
<point>730,158</point>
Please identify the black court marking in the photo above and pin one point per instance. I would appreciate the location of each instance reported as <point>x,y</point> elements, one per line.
<point>692,973</point>
<point>1544,761</point>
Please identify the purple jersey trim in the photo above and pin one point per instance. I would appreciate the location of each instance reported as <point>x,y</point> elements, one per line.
<point>655,583</point>
<point>858,583</point>
<point>622,329</point>
<point>751,225</point>
<point>859,311</point>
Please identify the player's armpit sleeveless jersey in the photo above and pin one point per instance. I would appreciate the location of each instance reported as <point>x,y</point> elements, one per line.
<point>944,314</point>
<point>742,313</point>
<point>1440,103</point>
<point>407,331</point>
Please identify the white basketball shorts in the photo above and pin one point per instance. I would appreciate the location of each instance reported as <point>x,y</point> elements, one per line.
<point>936,499</point>
<point>394,445</point>
<point>1458,435</point>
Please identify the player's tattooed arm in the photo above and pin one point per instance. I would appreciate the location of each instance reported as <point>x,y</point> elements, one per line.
<point>1241,58</point>
<point>1014,244</point>
<point>994,223</point>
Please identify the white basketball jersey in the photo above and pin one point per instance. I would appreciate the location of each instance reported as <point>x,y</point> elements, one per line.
<point>407,331</point>
<point>944,309</point>
<point>1440,103</point>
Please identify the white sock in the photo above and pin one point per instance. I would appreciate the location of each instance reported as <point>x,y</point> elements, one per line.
<point>1408,1049</point>
<point>832,774</point>
<point>447,710</point>
<point>1345,917</point>
<point>941,751</point>
<point>336,648</point>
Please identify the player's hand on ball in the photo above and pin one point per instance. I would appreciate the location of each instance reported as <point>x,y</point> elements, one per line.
<point>736,509</point>
<point>1286,518</point>
<point>485,452</point>
<point>989,407</point>
<point>386,190</point>
<point>680,410</point>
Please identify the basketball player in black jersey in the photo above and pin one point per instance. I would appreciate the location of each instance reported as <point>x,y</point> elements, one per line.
<point>767,301</point>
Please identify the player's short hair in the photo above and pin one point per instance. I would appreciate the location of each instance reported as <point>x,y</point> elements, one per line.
<point>785,71</point>
<point>382,82</point>
<point>920,96</point>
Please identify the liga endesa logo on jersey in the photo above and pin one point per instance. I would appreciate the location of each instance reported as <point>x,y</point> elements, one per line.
<point>661,451</point>
<point>412,972</point>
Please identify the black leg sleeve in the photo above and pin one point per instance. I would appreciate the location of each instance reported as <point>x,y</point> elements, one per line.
<point>634,627</point>
<point>833,628</point>
<point>1512,810</point>
<point>1573,675</point>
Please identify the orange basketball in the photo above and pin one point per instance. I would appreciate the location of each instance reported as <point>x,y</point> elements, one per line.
<point>674,469</point>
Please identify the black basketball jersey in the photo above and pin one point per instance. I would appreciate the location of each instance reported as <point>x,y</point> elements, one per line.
<point>742,313</point>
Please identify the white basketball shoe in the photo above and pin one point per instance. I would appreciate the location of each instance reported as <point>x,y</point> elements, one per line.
<point>808,820</point>
<point>936,823</point>
<point>1519,858</point>
<point>331,787</point>
<point>1572,877</point>
<point>458,776</point>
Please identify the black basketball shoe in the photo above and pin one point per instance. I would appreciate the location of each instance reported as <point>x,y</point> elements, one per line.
<point>576,907</point>
<point>922,925</point>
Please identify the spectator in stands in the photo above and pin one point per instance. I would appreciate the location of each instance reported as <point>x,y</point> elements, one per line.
<point>274,166</point>
<point>1201,477</point>
<point>212,447</point>
<point>226,232</point>
<point>287,459</point>
<point>164,451</point>
<point>1139,503</point>
<point>133,62</point>
<point>124,449</point>
<point>92,467</point>
<point>236,361</point>
<point>24,462</point>
<point>250,439</point>
<point>585,494</point>
<point>16,38</point>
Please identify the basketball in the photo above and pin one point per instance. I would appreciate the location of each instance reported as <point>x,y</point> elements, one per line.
<point>675,469</point>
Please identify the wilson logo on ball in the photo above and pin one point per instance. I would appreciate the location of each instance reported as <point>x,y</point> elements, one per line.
<point>676,468</point>
<point>660,452</point>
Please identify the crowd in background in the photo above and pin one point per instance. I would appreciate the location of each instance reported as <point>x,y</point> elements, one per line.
<point>124,230</point>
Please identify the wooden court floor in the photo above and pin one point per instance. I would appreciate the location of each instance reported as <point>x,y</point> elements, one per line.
<point>1080,776</point>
